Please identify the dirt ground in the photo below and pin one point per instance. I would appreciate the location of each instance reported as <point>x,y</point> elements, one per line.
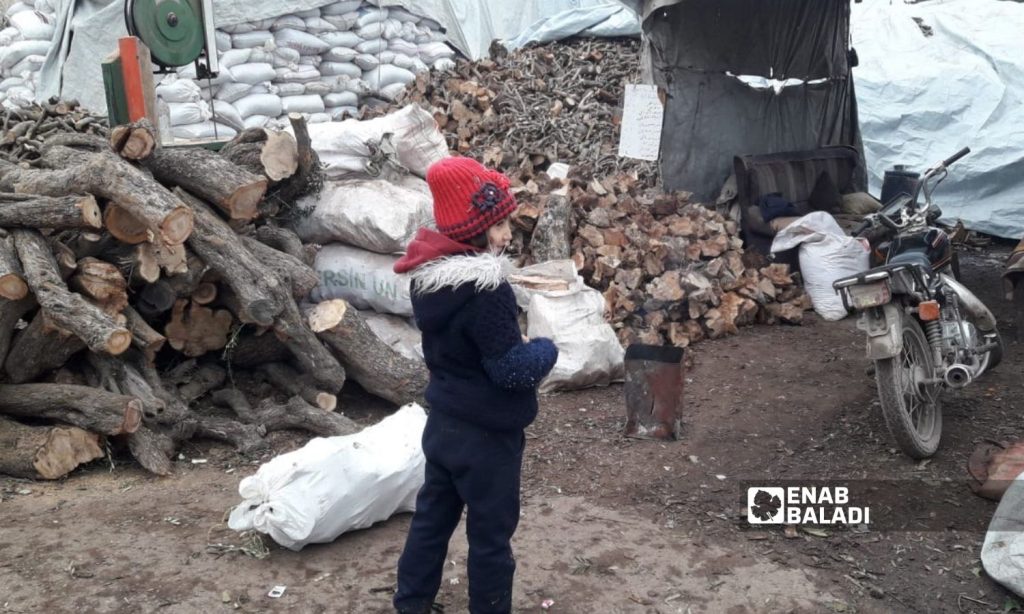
<point>609,524</point>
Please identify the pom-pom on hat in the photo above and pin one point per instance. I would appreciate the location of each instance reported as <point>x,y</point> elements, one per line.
<point>469,198</point>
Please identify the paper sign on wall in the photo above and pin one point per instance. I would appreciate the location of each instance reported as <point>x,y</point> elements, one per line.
<point>642,115</point>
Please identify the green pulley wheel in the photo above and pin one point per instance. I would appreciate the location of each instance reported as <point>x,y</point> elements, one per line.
<point>172,29</point>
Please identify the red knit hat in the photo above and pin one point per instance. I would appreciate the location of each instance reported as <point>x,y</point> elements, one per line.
<point>469,198</point>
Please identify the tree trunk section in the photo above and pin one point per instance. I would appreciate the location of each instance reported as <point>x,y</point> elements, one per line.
<point>64,308</point>
<point>198,329</point>
<point>552,238</point>
<point>377,367</point>
<point>254,350</point>
<point>10,313</point>
<point>301,277</point>
<point>57,212</point>
<point>295,384</point>
<point>103,283</point>
<point>284,240</point>
<point>40,348</point>
<point>309,351</point>
<point>82,406</point>
<point>223,251</point>
<point>144,337</point>
<point>211,177</point>
<point>294,414</point>
<point>44,452</point>
<point>105,176</point>
<point>134,141</point>
<point>12,279</point>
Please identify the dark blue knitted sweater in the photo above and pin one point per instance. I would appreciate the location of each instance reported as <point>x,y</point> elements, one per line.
<point>481,371</point>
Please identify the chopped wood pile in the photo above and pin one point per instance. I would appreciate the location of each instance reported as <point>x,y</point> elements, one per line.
<point>522,111</point>
<point>671,271</point>
<point>139,284</point>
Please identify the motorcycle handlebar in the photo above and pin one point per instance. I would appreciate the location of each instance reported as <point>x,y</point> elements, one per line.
<point>960,154</point>
<point>887,222</point>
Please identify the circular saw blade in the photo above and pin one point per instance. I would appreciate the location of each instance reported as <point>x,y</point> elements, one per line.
<point>172,29</point>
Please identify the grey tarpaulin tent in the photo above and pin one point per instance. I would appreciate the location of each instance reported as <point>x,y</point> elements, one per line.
<point>697,50</point>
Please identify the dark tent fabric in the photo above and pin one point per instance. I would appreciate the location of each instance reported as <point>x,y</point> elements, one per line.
<point>697,50</point>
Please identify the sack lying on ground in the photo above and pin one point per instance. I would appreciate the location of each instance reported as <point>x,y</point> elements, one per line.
<point>336,484</point>
<point>365,279</point>
<point>826,254</point>
<point>1002,554</point>
<point>589,352</point>
<point>373,214</point>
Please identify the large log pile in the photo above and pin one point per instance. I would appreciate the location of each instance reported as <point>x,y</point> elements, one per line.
<point>671,271</point>
<point>139,283</point>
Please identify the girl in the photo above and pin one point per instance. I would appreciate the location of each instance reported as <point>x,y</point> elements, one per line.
<point>482,391</point>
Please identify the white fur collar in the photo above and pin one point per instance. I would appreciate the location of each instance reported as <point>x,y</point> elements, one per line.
<point>486,271</point>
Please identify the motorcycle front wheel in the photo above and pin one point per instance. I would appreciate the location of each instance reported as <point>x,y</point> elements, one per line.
<point>910,405</point>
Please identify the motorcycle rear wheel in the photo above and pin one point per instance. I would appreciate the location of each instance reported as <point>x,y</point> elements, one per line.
<point>912,410</point>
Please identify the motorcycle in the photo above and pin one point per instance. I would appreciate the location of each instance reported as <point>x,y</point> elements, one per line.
<point>925,331</point>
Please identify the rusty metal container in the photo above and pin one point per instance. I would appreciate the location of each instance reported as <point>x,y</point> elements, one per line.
<point>654,391</point>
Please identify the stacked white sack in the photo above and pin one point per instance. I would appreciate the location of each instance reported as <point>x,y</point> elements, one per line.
<point>323,63</point>
<point>24,42</point>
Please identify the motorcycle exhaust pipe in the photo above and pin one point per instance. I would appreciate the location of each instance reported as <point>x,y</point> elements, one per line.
<point>958,376</point>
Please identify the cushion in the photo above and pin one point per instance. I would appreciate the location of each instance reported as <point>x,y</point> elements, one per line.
<point>825,196</point>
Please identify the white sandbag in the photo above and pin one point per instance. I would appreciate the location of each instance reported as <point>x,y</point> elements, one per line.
<point>18,51</point>
<point>256,121</point>
<point>302,104</point>
<point>364,279</point>
<point>290,89</point>
<point>309,14</point>
<point>311,60</point>
<point>317,89</point>
<point>251,39</point>
<point>343,37</point>
<point>372,214</point>
<point>444,65</point>
<point>8,36</point>
<point>415,137</point>
<point>228,115</point>
<point>280,62</point>
<point>223,40</point>
<point>403,61</point>
<point>303,74</point>
<point>429,24</point>
<point>318,25</point>
<point>372,39</point>
<point>340,8</point>
<point>19,97</point>
<point>318,118</point>
<point>392,29</point>
<point>826,254</point>
<point>386,57</point>
<point>259,104</point>
<point>342,23</point>
<point>409,32</point>
<point>343,99</point>
<point>184,113</point>
<point>288,21</point>
<point>263,88</point>
<point>436,36</point>
<point>405,47</point>
<point>418,66</point>
<point>230,92</point>
<point>371,15</point>
<point>338,69</point>
<point>392,92</point>
<point>340,54</point>
<point>28,65</point>
<point>238,28</point>
<point>303,42</point>
<point>290,55</point>
<point>366,61</point>
<point>402,15</point>
<point>1002,554</point>
<point>235,57</point>
<point>19,7</point>
<point>253,73</point>
<point>346,84</point>
<point>261,55</point>
<point>339,114</point>
<point>205,130</point>
<point>33,25</point>
<point>432,52</point>
<point>424,37</point>
<point>11,82</point>
<point>589,352</point>
<point>180,90</point>
<point>399,333</point>
<point>388,74</point>
<point>333,485</point>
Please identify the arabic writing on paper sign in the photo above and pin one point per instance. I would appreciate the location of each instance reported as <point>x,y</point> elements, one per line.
<point>642,115</point>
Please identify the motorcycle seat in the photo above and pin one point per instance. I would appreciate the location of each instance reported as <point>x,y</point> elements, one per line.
<point>911,258</point>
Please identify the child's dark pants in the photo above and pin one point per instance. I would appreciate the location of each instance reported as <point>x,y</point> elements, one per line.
<point>479,469</point>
